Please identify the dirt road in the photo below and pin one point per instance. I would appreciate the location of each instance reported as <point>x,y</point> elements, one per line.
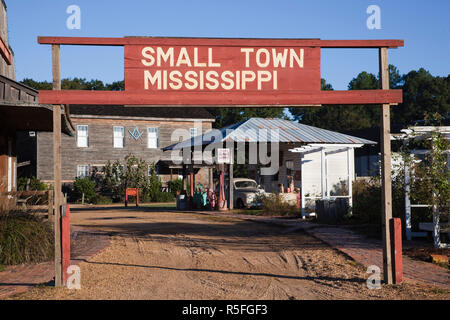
<point>163,254</point>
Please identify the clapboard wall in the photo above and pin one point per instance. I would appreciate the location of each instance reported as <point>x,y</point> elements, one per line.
<point>100,148</point>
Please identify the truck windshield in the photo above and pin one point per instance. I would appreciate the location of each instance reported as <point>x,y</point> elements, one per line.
<point>245,184</point>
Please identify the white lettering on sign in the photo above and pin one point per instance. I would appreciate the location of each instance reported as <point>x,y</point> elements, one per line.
<point>182,79</point>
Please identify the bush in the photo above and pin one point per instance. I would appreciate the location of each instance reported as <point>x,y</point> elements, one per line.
<point>164,197</point>
<point>99,199</point>
<point>35,184</point>
<point>116,178</point>
<point>25,238</point>
<point>87,187</point>
<point>175,186</point>
<point>273,205</point>
<point>367,200</point>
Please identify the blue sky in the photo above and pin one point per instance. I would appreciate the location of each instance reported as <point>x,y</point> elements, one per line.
<point>422,24</point>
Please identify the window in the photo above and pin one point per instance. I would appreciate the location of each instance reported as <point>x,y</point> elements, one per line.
<point>193,132</point>
<point>152,138</point>
<point>82,171</point>
<point>82,136</point>
<point>246,184</point>
<point>119,135</point>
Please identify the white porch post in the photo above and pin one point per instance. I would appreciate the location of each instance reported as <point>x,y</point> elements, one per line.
<point>350,180</point>
<point>302,191</point>
<point>324,186</point>
<point>407,200</point>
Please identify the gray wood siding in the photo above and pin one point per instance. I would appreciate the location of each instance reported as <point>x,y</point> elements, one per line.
<point>101,149</point>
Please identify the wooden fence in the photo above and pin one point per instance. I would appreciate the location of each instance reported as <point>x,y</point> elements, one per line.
<point>40,202</point>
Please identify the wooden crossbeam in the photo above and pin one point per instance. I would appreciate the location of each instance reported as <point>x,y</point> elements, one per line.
<point>250,99</point>
<point>94,41</point>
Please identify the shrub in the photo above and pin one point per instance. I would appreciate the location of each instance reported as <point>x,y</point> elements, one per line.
<point>165,197</point>
<point>34,184</point>
<point>175,186</point>
<point>134,173</point>
<point>99,199</point>
<point>274,205</point>
<point>154,185</point>
<point>367,200</point>
<point>24,238</point>
<point>85,186</point>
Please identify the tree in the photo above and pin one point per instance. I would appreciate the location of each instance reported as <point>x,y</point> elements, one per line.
<point>337,117</point>
<point>422,93</point>
<point>76,84</point>
<point>37,85</point>
<point>228,116</point>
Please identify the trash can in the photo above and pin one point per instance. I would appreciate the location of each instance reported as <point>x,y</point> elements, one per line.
<point>181,202</point>
<point>331,210</point>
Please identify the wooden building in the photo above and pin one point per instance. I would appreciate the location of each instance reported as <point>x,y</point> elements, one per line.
<point>109,133</point>
<point>19,111</point>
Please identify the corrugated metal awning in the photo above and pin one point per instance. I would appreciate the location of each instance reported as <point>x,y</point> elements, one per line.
<point>270,130</point>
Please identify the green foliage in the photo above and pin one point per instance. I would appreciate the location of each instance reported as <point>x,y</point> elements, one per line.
<point>100,199</point>
<point>273,205</point>
<point>154,184</point>
<point>164,197</point>
<point>76,84</point>
<point>422,93</point>
<point>24,238</point>
<point>176,186</point>
<point>117,177</point>
<point>87,187</point>
<point>35,184</point>
<point>110,182</point>
<point>367,200</point>
<point>431,183</point>
<point>37,85</point>
<point>228,116</point>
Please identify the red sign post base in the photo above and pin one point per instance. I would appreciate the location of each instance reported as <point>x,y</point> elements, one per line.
<point>65,243</point>
<point>132,192</point>
<point>396,249</point>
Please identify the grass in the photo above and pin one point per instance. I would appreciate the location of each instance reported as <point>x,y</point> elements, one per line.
<point>24,238</point>
<point>437,290</point>
<point>160,204</point>
<point>251,212</point>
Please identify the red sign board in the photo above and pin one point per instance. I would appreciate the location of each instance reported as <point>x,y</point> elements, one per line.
<point>236,70</point>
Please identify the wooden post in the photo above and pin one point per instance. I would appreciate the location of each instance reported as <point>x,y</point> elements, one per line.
<point>50,206</point>
<point>57,199</point>
<point>230,175</point>
<point>386,196</point>
<point>211,180</point>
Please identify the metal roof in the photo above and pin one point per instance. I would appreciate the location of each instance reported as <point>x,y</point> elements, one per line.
<point>270,130</point>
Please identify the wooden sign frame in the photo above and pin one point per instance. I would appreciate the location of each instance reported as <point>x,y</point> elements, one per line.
<point>316,97</point>
<point>284,96</point>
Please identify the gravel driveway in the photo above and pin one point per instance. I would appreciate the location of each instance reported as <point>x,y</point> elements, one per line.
<point>159,253</point>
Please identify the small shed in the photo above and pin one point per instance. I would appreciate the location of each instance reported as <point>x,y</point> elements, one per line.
<point>319,162</point>
<point>327,172</point>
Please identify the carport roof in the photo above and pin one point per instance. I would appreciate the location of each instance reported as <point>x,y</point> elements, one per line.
<point>270,130</point>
